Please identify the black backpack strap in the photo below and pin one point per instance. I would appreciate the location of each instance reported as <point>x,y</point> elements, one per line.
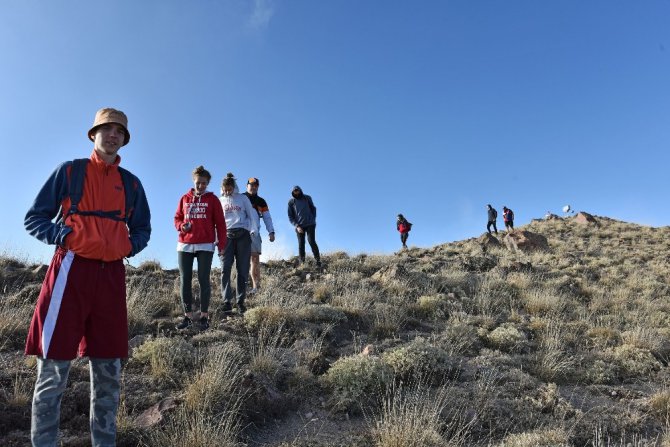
<point>76,185</point>
<point>129,189</point>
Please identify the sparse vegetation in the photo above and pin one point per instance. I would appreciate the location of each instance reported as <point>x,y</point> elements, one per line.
<point>449,346</point>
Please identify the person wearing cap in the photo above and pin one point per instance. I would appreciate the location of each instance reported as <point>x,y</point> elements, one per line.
<point>262,211</point>
<point>302,215</point>
<point>240,228</point>
<point>202,229</point>
<point>81,308</point>
<point>404,227</point>
<point>492,215</point>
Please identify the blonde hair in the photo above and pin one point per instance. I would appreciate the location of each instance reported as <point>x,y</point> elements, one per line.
<point>229,180</point>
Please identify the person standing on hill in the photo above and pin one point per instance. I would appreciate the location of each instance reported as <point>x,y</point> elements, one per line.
<point>241,226</point>
<point>202,229</point>
<point>302,215</point>
<point>404,227</point>
<point>493,216</point>
<point>262,211</point>
<point>508,217</point>
<point>102,216</point>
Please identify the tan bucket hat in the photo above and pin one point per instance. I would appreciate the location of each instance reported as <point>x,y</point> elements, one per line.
<point>109,115</point>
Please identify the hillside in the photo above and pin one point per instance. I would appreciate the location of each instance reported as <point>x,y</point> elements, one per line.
<point>467,343</point>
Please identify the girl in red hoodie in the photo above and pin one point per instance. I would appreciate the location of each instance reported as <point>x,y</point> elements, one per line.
<point>202,228</point>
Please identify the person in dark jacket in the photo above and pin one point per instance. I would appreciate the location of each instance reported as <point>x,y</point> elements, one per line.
<point>403,227</point>
<point>508,217</point>
<point>493,216</point>
<point>302,215</point>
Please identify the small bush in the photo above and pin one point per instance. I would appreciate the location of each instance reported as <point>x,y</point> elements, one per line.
<point>420,359</point>
<point>388,321</point>
<point>150,266</point>
<point>507,338</point>
<point>354,380</point>
<point>322,314</point>
<point>215,388</point>
<point>432,307</point>
<point>167,358</point>
<point>635,362</point>
<point>413,418</point>
<point>322,293</point>
<point>268,316</point>
<point>659,406</point>
<point>550,437</point>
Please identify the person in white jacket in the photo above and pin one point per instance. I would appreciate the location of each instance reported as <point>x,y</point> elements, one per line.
<point>240,225</point>
<point>262,211</point>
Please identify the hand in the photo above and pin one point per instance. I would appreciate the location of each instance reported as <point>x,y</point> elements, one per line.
<point>299,229</point>
<point>272,237</point>
<point>186,227</point>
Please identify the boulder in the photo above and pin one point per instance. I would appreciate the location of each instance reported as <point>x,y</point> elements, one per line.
<point>585,218</point>
<point>153,415</point>
<point>389,272</point>
<point>522,240</point>
<point>488,240</point>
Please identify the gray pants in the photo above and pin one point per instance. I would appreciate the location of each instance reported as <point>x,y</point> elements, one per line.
<point>51,382</point>
<point>238,250</point>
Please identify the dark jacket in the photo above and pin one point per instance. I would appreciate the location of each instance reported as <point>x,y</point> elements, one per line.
<point>493,215</point>
<point>301,210</point>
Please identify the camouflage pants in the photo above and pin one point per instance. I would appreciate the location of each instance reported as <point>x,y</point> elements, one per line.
<point>51,382</point>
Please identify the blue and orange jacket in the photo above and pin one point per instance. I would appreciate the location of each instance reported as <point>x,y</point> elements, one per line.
<point>91,237</point>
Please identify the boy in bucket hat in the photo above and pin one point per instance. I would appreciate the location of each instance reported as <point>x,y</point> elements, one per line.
<point>102,216</point>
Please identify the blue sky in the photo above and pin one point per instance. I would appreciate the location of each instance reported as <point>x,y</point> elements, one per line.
<point>431,109</point>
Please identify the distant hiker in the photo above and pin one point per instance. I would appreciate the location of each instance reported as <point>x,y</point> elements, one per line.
<point>508,217</point>
<point>404,227</point>
<point>302,215</point>
<point>493,216</point>
<point>202,229</point>
<point>241,225</point>
<point>102,216</point>
<point>262,211</point>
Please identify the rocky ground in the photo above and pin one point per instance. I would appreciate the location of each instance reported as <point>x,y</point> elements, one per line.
<point>557,334</point>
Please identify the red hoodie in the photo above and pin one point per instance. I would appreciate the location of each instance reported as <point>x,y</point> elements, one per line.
<point>205,214</point>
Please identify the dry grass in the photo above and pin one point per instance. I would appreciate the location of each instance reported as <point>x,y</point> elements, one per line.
<point>568,346</point>
<point>414,417</point>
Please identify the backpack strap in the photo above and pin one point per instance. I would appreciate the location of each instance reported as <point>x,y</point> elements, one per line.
<point>76,185</point>
<point>129,189</point>
<point>76,190</point>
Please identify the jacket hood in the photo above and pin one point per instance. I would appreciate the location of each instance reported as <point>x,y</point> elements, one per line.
<point>298,189</point>
<point>191,193</point>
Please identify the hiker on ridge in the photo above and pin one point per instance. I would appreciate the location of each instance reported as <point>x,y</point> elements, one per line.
<point>493,216</point>
<point>202,229</point>
<point>102,216</point>
<point>404,227</point>
<point>508,217</point>
<point>302,215</point>
<point>262,210</point>
<point>241,226</point>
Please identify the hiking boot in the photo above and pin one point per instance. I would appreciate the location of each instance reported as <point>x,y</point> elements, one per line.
<point>241,308</point>
<point>227,309</point>
<point>203,323</point>
<point>318,264</point>
<point>185,324</point>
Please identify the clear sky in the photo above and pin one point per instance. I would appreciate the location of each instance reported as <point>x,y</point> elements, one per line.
<point>431,109</point>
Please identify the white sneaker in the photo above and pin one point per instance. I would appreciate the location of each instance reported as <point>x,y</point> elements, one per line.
<point>253,291</point>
